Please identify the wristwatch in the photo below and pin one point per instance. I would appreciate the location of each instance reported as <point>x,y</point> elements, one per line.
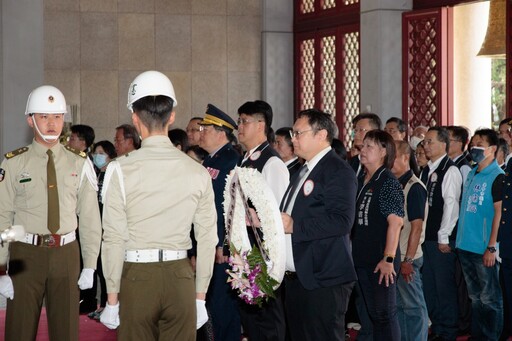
<point>389,258</point>
<point>408,260</point>
<point>492,249</point>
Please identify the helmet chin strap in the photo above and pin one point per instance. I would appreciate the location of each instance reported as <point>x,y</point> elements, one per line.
<point>46,138</point>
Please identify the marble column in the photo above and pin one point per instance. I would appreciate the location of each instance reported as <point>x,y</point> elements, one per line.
<point>381,56</point>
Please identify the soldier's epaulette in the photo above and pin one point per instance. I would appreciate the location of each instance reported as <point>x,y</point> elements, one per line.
<point>77,152</point>
<point>16,152</point>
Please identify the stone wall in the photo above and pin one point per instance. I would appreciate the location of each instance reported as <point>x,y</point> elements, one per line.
<point>210,49</point>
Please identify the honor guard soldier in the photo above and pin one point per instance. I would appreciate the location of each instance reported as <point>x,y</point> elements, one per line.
<point>151,198</point>
<point>45,185</point>
<point>216,133</point>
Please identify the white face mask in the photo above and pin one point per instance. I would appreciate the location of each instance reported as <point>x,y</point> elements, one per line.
<point>46,138</point>
<point>414,141</point>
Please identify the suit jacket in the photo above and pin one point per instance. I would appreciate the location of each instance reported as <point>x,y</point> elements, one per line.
<point>294,167</point>
<point>323,216</point>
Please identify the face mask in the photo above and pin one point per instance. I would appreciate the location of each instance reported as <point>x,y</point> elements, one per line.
<point>477,154</point>
<point>414,141</point>
<point>100,160</point>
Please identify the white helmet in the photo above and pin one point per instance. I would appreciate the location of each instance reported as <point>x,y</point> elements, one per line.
<point>150,83</point>
<point>46,99</point>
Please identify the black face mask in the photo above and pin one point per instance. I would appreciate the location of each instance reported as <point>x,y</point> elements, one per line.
<point>477,154</point>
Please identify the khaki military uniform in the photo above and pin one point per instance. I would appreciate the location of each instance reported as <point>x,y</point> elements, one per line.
<point>151,198</point>
<point>50,268</point>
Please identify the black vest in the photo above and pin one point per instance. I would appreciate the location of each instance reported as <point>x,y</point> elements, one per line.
<point>257,160</point>
<point>462,161</point>
<point>259,157</point>
<point>435,199</point>
<point>370,225</point>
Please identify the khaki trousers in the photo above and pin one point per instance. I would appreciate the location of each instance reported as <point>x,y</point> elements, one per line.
<point>157,302</point>
<point>49,273</point>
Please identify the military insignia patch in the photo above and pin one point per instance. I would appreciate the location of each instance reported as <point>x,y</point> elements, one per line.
<point>2,174</point>
<point>214,173</point>
<point>16,152</point>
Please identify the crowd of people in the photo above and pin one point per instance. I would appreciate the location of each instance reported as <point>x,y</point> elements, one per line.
<point>409,237</point>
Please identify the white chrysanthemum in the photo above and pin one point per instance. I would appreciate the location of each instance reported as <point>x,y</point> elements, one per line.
<point>255,188</point>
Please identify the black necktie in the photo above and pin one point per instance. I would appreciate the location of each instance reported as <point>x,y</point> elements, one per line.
<point>53,194</point>
<point>303,170</point>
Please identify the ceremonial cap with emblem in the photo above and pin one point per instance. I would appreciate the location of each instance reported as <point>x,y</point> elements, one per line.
<point>217,117</point>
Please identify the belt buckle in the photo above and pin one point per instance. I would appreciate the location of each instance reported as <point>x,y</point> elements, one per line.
<point>48,240</point>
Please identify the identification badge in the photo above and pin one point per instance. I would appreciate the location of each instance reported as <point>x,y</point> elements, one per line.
<point>309,185</point>
<point>255,156</point>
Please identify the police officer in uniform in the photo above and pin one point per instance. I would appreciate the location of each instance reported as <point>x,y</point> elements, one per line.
<point>216,129</point>
<point>43,187</point>
<point>151,198</point>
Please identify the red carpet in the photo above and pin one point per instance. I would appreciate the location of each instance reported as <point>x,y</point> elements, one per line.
<point>90,330</point>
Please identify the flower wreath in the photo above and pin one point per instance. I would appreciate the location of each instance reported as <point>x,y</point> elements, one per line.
<point>255,271</point>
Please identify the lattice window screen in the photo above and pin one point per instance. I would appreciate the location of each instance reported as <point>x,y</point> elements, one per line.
<point>426,85</point>
<point>350,83</point>
<point>422,110</point>
<point>328,74</point>
<point>307,6</point>
<point>327,4</point>
<point>307,74</point>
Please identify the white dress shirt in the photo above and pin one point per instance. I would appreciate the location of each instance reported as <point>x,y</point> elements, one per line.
<point>290,264</point>
<point>451,189</point>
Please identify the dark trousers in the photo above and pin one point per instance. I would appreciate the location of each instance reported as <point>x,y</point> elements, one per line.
<point>265,323</point>
<point>317,314</point>
<point>380,303</point>
<point>440,289</point>
<point>222,302</point>
<point>157,302</point>
<point>506,280</point>
<point>37,273</point>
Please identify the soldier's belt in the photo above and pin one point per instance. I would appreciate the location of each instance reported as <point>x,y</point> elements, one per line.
<point>49,240</point>
<point>153,255</point>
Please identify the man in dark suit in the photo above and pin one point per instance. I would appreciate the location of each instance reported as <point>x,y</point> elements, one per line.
<point>284,147</point>
<point>318,214</point>
<point>216,131</point>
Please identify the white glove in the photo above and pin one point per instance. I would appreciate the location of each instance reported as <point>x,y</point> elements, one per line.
<point>110,316</point>
<point>6,288</point>
<point>86,279</point>
<point>202,315</point>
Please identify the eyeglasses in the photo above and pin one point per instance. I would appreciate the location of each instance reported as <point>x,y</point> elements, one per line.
<point>297,134</point>
<point>360,130</point>
<point>118,140</point>
<point>244,121</point>
<point>419,154</point>
<point>193,130</point>
<point>203,128</point>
